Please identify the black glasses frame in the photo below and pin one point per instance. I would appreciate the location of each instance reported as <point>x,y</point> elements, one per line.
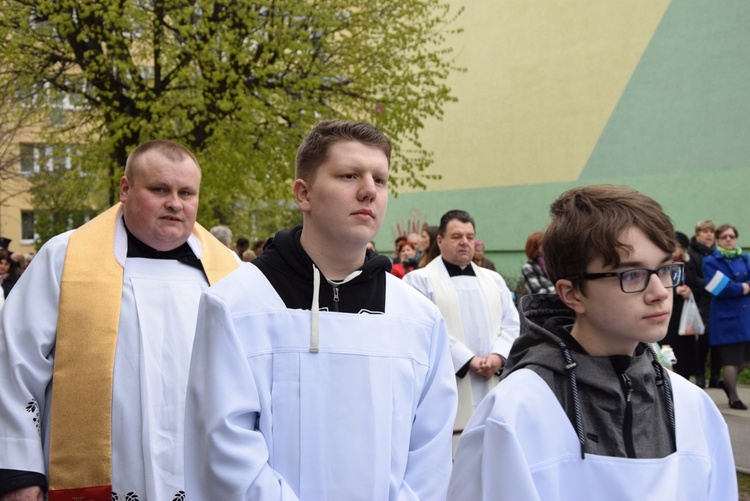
<point>619,274</point>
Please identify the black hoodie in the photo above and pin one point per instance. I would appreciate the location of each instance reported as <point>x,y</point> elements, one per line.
<point>594,391</point>
<point>289,269</point>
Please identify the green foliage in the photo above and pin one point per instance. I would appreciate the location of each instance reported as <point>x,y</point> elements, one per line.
<point>64,198</point>
<point>16,122</point>
<point>63,195</point>
<point>238,82</point>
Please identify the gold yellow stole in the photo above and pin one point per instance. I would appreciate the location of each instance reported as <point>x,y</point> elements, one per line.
<point>87,326</point>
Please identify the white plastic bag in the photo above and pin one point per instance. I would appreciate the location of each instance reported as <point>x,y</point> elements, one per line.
<point>691,322</point>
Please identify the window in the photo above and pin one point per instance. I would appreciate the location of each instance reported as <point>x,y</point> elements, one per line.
<point>69,96</point>
<point>36,157</point>
<point>30,157</point>
<point>27,227</point>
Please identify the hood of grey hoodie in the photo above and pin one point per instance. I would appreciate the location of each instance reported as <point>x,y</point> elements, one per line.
<point>591,389</point>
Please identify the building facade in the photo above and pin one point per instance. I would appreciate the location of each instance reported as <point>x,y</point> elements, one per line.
<point>651,94</point>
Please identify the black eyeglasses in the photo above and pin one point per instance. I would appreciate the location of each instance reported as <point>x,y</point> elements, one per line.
<point>636,280</point>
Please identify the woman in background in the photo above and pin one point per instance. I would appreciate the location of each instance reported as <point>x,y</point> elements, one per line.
<point>534,271</point>
<point>9,274</point>
<point>686,346</point>
<point>430,246</point>
<point>727,275</point>
<point>407,254</point>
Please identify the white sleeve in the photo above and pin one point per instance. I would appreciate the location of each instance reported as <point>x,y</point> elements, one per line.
<point>510,323</point>
<point>226,456</point>
<point>723,480</point>
<point>460,353</point>
<point>429,463</point>
<point>419,281</point>
<point>489,462</point>
<point>28,327</point>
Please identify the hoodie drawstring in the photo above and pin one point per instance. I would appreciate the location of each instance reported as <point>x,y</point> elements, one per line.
<point>663,381</point>
<point>571,365</point>
<point>315,307</point>
<point>315,313</point>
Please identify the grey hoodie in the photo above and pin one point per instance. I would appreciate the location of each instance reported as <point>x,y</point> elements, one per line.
<point>594,391</point>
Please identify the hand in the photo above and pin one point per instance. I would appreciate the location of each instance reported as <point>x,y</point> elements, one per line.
<point>486,366</point>
<point>476,364</point>
<point>683,291</point>
<point>745,288</point>
<point>25,494</point>
<point>492,363</point>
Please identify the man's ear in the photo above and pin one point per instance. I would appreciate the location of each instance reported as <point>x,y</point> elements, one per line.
<point>124,188</point>
<point>570,295</point>
<point>302,194</point>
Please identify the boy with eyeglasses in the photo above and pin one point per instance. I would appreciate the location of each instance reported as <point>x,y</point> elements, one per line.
<point>584,409</point>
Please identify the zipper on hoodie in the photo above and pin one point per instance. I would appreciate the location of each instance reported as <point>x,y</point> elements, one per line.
<point>336,298</point>
<point>627,432</point>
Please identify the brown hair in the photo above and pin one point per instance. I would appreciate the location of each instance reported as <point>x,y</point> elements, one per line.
<point>724,227</point>
<point>315,147</point>
<point>587,221</point>
<point>174,152</point>
<point>432,251</point>
<point>533,244</point>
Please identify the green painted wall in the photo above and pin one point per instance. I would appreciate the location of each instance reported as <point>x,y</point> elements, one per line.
<point>505,216</point>
<point>678,128</point>
<point>686,109</point>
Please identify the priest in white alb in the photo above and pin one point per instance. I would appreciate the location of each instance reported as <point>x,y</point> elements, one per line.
<point>95,342</point>
<point>478,309</point>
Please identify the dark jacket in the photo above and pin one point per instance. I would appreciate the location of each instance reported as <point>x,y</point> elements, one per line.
<point>685,347</point>
<point>620,406</point>
<point>290,270</point>
<point>7,286</point>
<point>694,277</point>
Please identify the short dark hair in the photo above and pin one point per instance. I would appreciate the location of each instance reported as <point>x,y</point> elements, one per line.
<point>587,222</point>
<point>315,147</point>
<point>449,216</point>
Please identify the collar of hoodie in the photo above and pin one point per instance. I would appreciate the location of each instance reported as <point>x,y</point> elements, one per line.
<point>315,306</point>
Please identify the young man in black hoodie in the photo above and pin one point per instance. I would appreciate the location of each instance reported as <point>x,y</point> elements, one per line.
<point>319,375</point>
<point>584,409</point>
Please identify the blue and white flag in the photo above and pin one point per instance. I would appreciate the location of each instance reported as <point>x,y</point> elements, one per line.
<point>717,284</point>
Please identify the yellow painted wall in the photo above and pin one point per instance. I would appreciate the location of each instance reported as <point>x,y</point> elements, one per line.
<point>541,81</point>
